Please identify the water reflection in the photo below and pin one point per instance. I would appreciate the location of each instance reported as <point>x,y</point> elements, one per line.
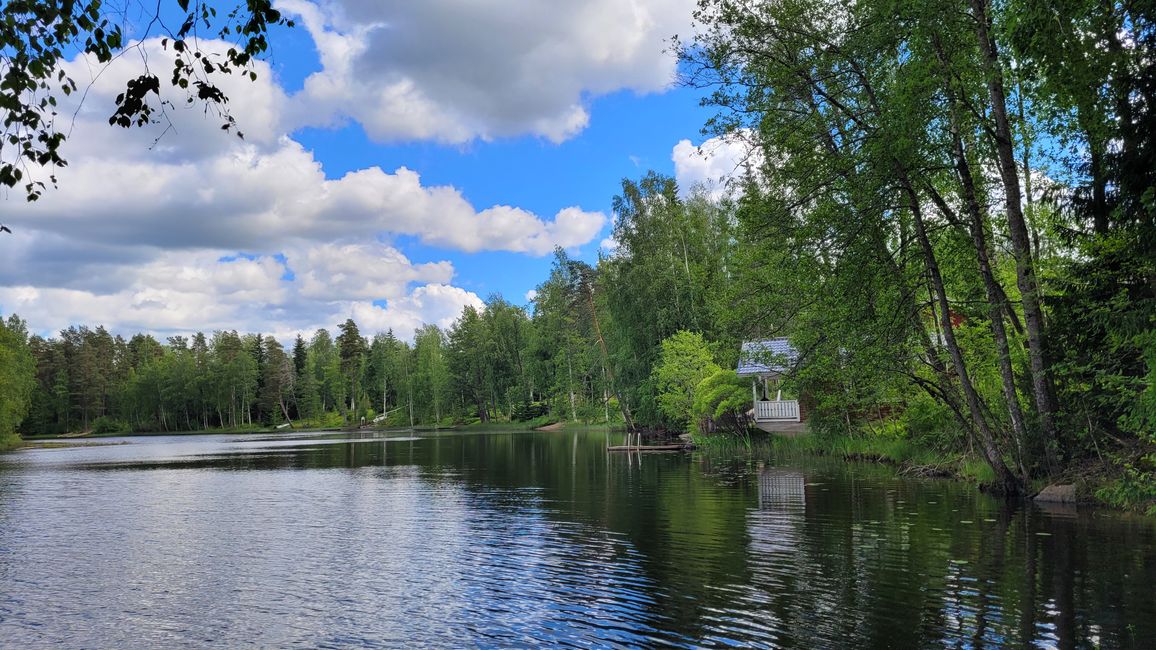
<point>519,539</point>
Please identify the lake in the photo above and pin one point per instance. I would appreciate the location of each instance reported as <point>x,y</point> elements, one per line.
<point>525,538</point>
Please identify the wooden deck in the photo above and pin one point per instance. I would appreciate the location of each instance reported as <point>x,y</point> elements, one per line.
<point>650,448</point>
<point>783,428</point>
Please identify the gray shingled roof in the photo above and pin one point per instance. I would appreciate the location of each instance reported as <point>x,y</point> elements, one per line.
<point>767,356</point>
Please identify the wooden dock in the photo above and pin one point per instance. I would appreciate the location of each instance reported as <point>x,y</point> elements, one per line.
<point>651,448</point>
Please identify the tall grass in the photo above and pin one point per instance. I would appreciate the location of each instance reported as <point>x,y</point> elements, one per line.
<point>899,451</point>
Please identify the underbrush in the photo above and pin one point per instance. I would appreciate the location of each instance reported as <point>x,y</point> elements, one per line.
<point>726,442</point>
<point>10,441</point>
<point>1134,489</point>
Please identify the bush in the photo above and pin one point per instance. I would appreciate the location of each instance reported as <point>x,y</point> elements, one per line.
<point>529,411</point>
<point>930,422</point>
<point>685,362</point>
<point>1136,489</point>
<point>106,424</point>
<point>721,402</point>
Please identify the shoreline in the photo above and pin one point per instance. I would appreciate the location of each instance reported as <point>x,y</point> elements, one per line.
<point>31,442</point>
<point>1081,488</point>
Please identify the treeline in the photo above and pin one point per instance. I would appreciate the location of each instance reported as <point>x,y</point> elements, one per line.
<point>585,352</point>
<point>90,380</point>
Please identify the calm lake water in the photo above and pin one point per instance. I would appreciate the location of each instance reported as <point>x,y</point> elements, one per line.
<point>518,539</point>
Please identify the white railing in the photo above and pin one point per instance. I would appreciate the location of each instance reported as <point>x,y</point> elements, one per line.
<point>780,410</point>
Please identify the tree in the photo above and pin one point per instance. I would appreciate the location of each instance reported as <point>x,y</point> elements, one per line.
<point>685,361</point>
<point>842,100</point>
<point>351,351</point>
<point>17,381</point>
<point>324,364</point>
<point>36,35</point>
<point>564,356</point>
<point>468,363</point>
<point>279,382</point>
<point>666,275</point>
<point>721,402</point>
<point>430,373</point>
<point>1093,82</point>
<point>581,281</point>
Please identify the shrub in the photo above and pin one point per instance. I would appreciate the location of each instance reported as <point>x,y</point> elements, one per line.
<point>106,424</point>
<point>686,361</point>
<point>721,402</point>
<point>1136,489</point>
<point>528,411</point>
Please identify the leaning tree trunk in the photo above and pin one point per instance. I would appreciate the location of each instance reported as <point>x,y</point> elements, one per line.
<point>1042,388</point>
<point>1009,484</point>
<point>995,295</point>
<point>995,313</point>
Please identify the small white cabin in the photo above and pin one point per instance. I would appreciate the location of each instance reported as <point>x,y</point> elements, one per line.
<point>766,361</point>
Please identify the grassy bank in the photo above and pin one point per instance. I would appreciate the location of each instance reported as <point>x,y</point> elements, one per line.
<point>1101,484</point>
<point>907,457</point>
<point>910,458</point>
<point>539,422</point>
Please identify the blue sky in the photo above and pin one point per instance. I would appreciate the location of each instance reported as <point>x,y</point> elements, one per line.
<point>401,160</point>
<point>628,135</point>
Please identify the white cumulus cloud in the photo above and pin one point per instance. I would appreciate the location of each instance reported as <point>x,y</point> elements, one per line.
<point>715,165</point>
<point>203,230</point>
<point>456,70</point>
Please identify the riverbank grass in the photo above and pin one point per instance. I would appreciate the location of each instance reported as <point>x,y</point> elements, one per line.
<point>909,457</point>
<point>10,441</point>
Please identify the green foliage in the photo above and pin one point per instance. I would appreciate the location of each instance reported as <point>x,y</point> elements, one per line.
<point>684,362</point>
<point>105,425</point>
<point>721,402</point>
<point>488,356</point>
<point>668,274</point>
<point>1135,489</point>
<point>870,236</point>
<point>564,360</point>
<point>1105,333</point>
<point>530,411</point>
<point>431,374</point>
<point>17,380</point>
<point>930,422</point>
<point>1140,417</point>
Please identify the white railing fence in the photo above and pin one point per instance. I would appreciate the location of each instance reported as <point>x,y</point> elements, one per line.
<point>777,410</point>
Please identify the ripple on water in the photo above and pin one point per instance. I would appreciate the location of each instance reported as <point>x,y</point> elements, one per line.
<point>515,540</point>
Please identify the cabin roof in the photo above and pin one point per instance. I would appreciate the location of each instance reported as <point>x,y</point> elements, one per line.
<point>766,357</point>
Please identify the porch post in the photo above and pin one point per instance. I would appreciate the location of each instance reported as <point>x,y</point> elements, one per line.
<point>755,393</point>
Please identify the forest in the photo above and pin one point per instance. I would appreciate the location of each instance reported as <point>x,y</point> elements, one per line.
<point>949,208</point>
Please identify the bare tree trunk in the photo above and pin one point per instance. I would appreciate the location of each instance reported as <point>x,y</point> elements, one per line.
<point>994,299</point>
<point>1042,388</point>
<point>1008,482</point>
<point>285,410</point>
